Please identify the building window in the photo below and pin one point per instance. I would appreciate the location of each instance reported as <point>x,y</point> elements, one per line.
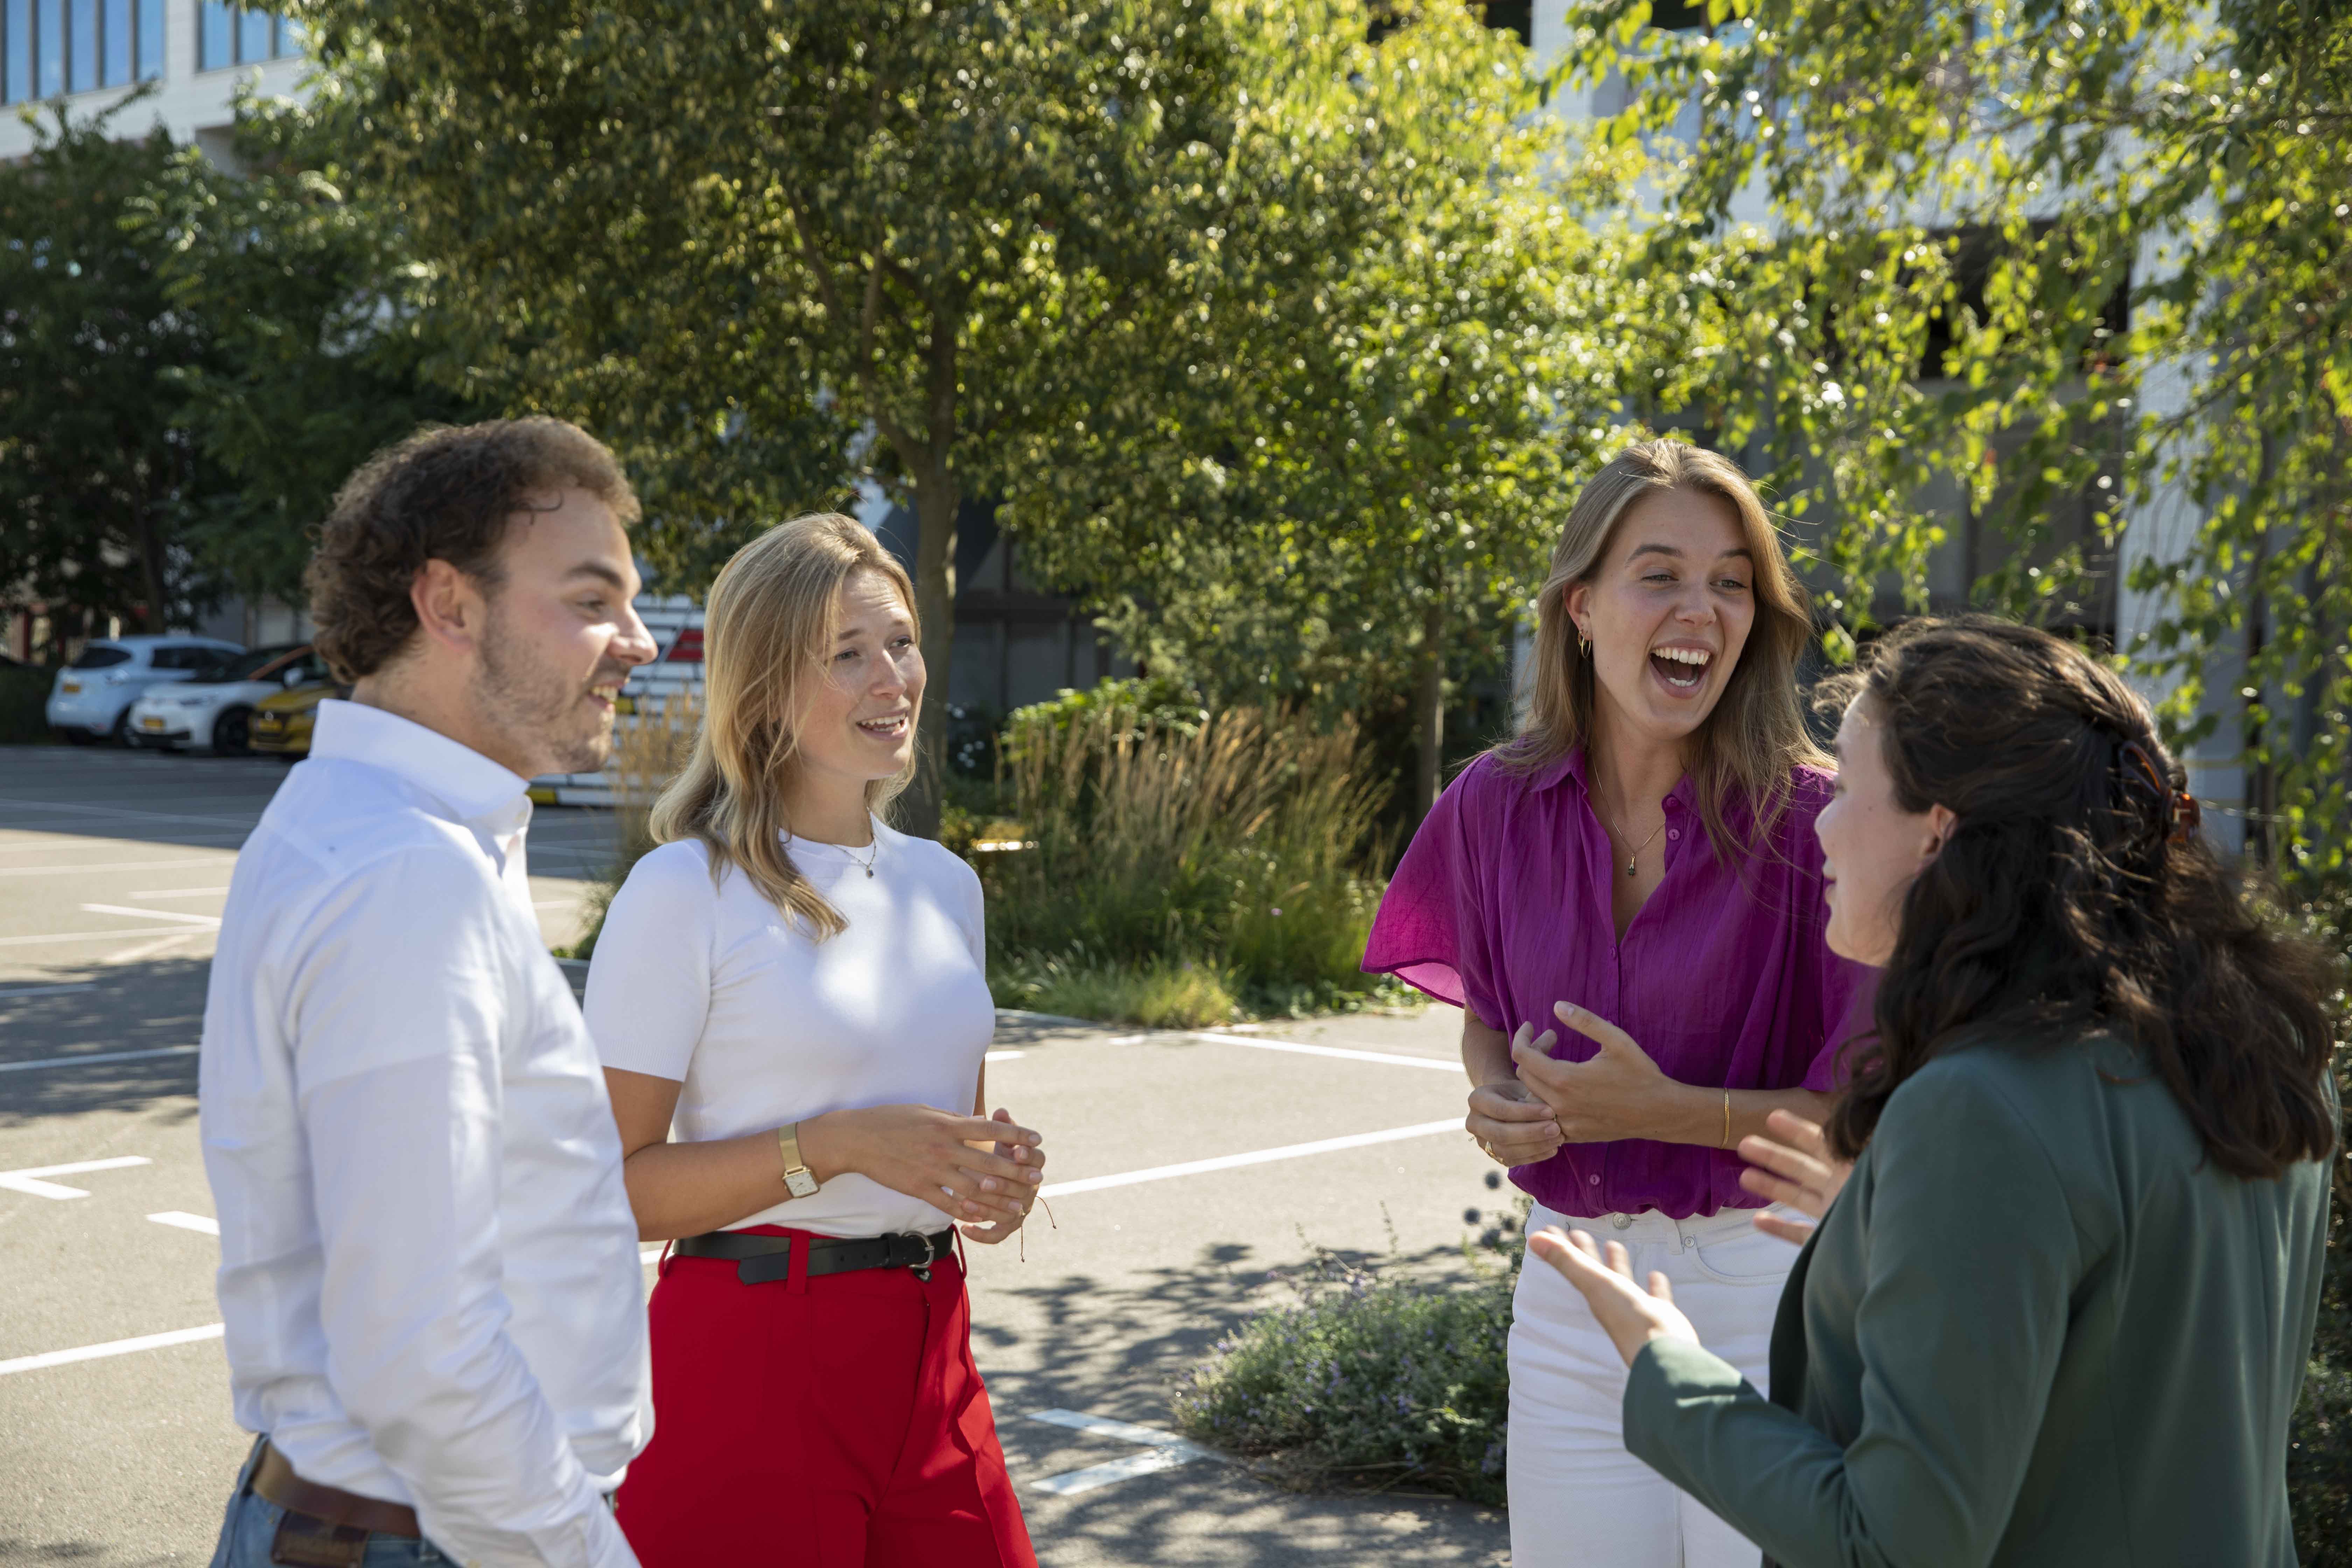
<point>16,51</point>
<point>235,36</point>
<point>52,47</point>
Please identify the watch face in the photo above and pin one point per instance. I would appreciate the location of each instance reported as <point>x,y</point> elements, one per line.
<point>799,1183</point>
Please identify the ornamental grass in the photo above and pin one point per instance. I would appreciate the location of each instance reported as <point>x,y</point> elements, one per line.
<point>1184,869</point>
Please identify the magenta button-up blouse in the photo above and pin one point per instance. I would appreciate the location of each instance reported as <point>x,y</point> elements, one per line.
<point>1502,905</point>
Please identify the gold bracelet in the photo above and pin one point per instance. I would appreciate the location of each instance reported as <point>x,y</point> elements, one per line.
<point>1727,1119</point>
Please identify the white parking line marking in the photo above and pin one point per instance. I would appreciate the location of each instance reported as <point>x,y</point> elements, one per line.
<point>1393,1058</point>
<point>103,866</point>
<point>29,1180</point>
<point>118,811</point>
<point>91,1057</point>
<point>112,1347</point>
<point>212,922</point>
<point>150,949</point>
<point>1104,1426</point>
<point>186,1221</point>
<point>46,990</point>
<point>1162,1451</point>
<point>176,893</point>
<point>1149,1461</point>
<point>93,936</point>
<point>1256,1157</point>
<point>1003,1055</point>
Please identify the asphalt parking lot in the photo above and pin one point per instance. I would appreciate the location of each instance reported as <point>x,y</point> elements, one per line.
<point>1184,1168</point>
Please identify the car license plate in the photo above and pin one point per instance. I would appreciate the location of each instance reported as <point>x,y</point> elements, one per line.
<point>71,689</point>
<point>150,723</point>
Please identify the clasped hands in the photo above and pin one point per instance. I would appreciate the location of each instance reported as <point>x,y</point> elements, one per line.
<point>1792,1167</point>
<point>1617,1093</point>
<point>984,1170</point>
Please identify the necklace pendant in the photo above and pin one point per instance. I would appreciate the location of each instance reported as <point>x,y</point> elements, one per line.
<point>1630,869</point>
<point>869,873</point>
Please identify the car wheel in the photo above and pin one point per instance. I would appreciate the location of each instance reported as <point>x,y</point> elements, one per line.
<point>120,733</point>
<point>230,733</point>
<point>73,735</point>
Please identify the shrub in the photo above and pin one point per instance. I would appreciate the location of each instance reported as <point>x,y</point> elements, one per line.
<point>2319,1452</point>
<point>1396,1381</point>
<point>1156,700</point>
<point>1237,841</point>
<point>1166,993</point>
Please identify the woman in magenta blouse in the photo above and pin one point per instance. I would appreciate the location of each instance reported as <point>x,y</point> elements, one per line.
<point>1625,900</point>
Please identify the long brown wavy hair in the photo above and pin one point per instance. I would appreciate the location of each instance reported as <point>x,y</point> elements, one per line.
<point>2074,892</point>
<point>769,626</point>
<point>1754,738</point>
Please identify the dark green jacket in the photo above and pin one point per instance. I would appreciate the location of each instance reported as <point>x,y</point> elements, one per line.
<point>2038,1327</point>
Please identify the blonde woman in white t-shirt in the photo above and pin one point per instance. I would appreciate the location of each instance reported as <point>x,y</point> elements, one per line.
<point>791,1003</point>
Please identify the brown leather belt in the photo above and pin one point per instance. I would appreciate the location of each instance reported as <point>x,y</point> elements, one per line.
<point>273,1480</point>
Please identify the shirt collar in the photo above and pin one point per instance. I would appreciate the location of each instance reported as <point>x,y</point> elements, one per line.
<point>468,783</point>
<point>1571,767</point>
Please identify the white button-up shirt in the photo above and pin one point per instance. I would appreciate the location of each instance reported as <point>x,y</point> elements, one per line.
<point>429,1268</point>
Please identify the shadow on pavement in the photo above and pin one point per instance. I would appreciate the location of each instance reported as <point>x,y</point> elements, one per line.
<point>1116,1349</point>
<point>139,1006</point>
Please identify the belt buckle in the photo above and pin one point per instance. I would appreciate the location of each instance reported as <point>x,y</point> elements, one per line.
<point>932,1253</point>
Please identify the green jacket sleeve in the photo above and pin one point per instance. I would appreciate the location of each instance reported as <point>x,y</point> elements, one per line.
<point>1966,1254</point>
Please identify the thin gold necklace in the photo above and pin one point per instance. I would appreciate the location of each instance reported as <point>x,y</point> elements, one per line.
<point>873,851</point>
<point>1609,821</point>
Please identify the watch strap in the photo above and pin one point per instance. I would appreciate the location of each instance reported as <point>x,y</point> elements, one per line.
<point>798,1179</point>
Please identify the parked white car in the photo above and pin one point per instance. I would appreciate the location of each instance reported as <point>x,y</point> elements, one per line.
<point>212,711</point>
<point>91,697</point>
<point>676,622</point>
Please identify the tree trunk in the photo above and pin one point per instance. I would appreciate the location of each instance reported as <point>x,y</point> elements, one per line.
<point>938,499</point>
<point>155,615</point>
<point>1429,710</point>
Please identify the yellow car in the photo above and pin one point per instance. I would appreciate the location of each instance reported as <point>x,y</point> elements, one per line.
<point>281,724</point>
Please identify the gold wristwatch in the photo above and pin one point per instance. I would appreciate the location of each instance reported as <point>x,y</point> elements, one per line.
<point>799,1180</point>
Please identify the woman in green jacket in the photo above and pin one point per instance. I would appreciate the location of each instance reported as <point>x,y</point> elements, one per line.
<point>2059,1313</point>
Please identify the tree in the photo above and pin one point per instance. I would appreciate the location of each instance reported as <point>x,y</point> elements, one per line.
<point>2093,248</point>
<point>790,228</point>
<point>1372,395</point>
<point>323,336</point>
<point>98,485</point>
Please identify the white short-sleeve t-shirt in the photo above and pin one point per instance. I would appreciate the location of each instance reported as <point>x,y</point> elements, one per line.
<point>762,1024</point>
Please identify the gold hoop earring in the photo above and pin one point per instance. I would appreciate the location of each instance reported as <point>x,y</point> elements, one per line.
<point>1583,646</point>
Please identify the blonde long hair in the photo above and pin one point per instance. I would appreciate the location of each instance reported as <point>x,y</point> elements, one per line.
<point>1754,738</point>
<point>767,629</point>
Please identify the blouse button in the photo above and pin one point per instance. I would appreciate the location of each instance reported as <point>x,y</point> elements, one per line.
<point>1674,833</point>
<point>1596,1181</point>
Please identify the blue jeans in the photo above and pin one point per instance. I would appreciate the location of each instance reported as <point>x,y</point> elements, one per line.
<point>252,1522</point>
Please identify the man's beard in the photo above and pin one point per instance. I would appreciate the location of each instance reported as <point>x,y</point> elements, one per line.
<point>543,707</point>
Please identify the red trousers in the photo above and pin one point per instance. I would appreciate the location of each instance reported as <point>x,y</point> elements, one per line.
<point>828,1423</point>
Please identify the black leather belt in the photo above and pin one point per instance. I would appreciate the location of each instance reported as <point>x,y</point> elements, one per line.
<point>760,1259</point>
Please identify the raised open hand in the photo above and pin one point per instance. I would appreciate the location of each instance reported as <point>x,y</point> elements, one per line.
<point>1631,1316</point>
<point>1794,1167</point>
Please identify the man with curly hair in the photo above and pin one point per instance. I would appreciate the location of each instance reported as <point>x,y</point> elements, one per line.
<point>429,1273</point>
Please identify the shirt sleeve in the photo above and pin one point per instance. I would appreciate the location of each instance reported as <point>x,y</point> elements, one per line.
<point>1847,992</point>
<point>649,981</point>
<point>1972,1255</point>
<point>398,1016</point>
<point>1431,931</point>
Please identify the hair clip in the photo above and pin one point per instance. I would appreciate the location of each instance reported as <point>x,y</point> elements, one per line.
<point>2182,814</point>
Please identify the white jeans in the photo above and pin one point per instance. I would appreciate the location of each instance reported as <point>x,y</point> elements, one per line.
<point>1578,1498</point>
